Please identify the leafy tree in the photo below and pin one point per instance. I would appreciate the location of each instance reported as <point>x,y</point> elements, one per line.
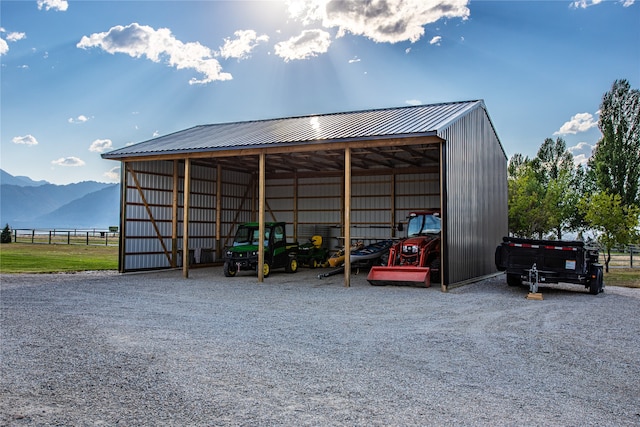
<point>615,160</point>
<point>5,237</point>
<point>615,222</point>
<point>544,192</point>
<point>516,163</point>
<point>562,199</point>
<point>552,159</point>
<point>528,215</point>
<point>556,171</point>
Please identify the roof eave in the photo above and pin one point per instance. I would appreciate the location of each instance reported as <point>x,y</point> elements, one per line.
<point>114,155</point>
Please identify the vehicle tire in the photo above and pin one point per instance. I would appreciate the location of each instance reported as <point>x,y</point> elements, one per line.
<point>229,269</point>
<point>514,280</point>
<point>595,284</point>
<point>266,269</point>
<point>314,263</point>
<point>435,275</point>
<point>292,265</point>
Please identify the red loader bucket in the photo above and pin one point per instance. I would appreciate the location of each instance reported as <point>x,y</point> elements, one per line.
<point>410,276</point>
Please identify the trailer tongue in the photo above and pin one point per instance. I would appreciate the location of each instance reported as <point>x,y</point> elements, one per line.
<point>416,259</point>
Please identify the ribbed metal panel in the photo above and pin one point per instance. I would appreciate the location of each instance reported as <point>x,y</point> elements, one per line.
<point>403,121</point>
<point>149,211</point>
<point>475,196</point>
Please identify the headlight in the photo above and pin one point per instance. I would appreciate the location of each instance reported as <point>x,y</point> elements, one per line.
<point>410,249</point>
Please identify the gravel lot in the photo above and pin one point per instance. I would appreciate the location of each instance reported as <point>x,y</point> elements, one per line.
<point>156,349</point>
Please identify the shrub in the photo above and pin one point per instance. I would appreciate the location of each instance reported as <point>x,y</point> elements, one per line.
<point>5,237</point>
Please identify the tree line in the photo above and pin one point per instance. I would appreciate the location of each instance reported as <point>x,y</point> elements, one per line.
<point>549,196</point>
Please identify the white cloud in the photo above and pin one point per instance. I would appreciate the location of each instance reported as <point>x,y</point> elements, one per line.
<point>80,119</point>
<point>14,36</point>
<point>140,40</point>
<point>100,145</point>
<point>581,153</point>
<point>68,161</point>
<point>436,40</point>
<point>241,47</point>
<point>407,50</point>
<point>113,175</point>
<point>26,140</point>
<point>389,21</point>
<point>308,44</point>
<point>60,5</point>
<point>413,102</point>
<point>9,37</point>
<point>354,60</point>
<point>581,122</point>
<point>156,134</point>
<point>583,4</point>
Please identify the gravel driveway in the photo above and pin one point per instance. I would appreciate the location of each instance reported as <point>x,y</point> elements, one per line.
<point>156,349</point>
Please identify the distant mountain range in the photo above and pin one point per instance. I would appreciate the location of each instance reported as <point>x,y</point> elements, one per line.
<point>25,203</point>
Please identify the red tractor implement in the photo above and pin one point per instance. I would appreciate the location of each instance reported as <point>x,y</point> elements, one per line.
<point>416,259</point>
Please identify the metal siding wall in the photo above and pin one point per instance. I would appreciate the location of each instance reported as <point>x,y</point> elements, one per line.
<point>234,188</point>
<point>279,200</point>
<point>476,193</point>
<point>320,209</point>
<point>143,247</point>
<point>416,192</point>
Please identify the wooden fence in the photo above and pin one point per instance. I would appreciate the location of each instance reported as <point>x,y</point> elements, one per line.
<point>94,236</point>
<point>625,257</point>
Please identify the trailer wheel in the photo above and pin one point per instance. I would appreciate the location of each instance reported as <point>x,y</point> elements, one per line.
<point>595,284</point>
<point>229,269</point>
<point>514,280</point>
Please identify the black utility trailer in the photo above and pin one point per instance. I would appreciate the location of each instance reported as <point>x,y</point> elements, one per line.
<point>549,261</point>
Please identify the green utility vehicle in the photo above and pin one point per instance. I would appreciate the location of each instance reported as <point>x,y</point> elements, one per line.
<point>243,254</point>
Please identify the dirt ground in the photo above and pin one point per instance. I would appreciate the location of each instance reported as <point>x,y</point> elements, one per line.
<point>156,349</point>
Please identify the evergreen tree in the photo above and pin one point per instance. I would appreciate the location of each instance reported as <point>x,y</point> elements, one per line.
<point>5,237</point>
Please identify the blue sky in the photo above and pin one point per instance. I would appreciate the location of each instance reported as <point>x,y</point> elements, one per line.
<point>79,78</point>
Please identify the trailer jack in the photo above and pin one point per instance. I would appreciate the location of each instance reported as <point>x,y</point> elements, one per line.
<point>534,279</point>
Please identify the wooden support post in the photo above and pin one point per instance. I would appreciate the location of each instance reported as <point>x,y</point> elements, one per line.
<point>185,217</point>
<point>219,212</point>
<point>261,203</point>
<point>393,205</point>
<point>295,208</point>
<point>122,246</point>
<point>174,216</point>
<point>347,217</point>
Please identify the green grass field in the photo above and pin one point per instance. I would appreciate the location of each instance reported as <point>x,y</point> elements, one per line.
<point>627,277</point>
<point>43,258</point>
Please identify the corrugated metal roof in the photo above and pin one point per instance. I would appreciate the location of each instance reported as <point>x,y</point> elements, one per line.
<point>348,126</point>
